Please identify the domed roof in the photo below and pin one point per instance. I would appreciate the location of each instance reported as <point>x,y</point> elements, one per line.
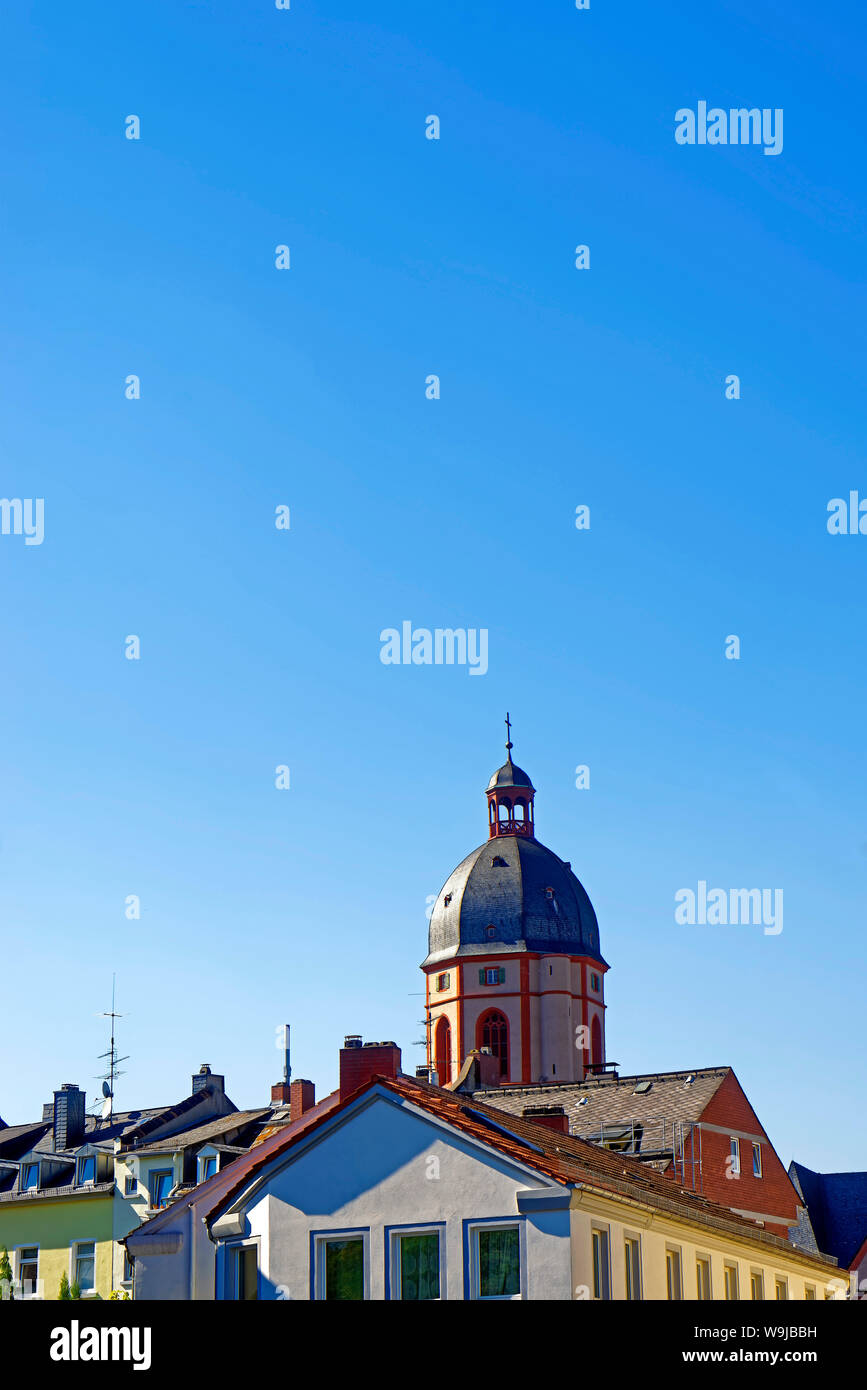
<point>510,776</point>
<point>523,890</point>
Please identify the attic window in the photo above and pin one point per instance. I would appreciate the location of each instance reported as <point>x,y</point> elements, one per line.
<point>447,899</point>
<point>498,862</point>
<point>642,1088</point>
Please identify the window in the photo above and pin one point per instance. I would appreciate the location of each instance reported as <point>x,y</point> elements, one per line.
<point>594,981</point>
<point>757,1160</point>
<point>83,1260</point>
<point>735,1161</point>
<point>810,1293</point>
<point>29,1177</point>
<point>28,1269</point>
<point>731,1275</point>
<point>633,1267</point>
<point>87,1169</point>
<point>415,1265</point>
<point>601,1265</point>
<point>243,1272</point>
<point>207,1167</point>
<point>498,862</point>
<point>443,1051</point>
<point>130,1186</point>
<point>672,1274</point>
<point>757,1286</point>
<point>128,1268</point>
<point>160,1185</point>
<point>781,1290</point>
<point>490,933</point>
<point>443,981</point>
<point>496,1262</point>
<point>492,1031</point>
<point>342,1268</point>
<point>702,1277</point>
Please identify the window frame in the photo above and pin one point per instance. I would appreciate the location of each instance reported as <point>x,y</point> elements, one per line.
<point>18,1278</point>
<point>231,1250</point>
<point>703,1259</point>
<point>443,981</point>
<point>810,1293</point>
<point>472,1271</point>
<point>202,1161</point>
<point>601,1271</point>
<point>23,1185</point>
<point>393,1236</point>
<point>75,1257</point>
<point>130,1185</point>
<point>757,1160</point>
<point>781,1282</point>
<point>318,1269</point>
<point>674,1253</point>
<point>732,1270</point>
<point>634,1240</point>
<point>80,1163</point>
<point>153,1174</point>
<point>757,1280</point>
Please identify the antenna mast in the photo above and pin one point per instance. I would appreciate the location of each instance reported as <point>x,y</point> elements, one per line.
<point>109,1076</point>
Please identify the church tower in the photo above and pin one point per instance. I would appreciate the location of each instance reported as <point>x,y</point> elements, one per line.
<point>513,960</point>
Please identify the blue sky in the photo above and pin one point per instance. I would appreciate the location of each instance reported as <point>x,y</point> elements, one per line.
<point>305,387</point>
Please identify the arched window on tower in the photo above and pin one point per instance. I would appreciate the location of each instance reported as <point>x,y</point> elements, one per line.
<point>443,1050</point>
<point>492,1031</point>
<point>596,1041</point>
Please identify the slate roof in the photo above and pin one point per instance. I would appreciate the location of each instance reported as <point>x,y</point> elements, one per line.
<point>837,1206</point>
<point>533,899</point>
<point>190,1138</point>
<point>510,776</point>
<point>612,1102</point>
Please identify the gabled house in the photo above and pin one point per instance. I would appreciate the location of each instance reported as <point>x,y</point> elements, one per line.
<point>71,1184</point>
<point>394,1188</point>
<point>697,1127</point>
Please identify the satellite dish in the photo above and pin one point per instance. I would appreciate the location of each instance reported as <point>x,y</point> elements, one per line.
<point>106,1089</point>
<point>106,1107</point>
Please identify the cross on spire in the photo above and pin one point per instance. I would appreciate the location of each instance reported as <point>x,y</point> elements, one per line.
<point>508,735</point>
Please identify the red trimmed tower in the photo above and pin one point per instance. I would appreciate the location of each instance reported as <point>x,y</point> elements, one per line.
<point>514,963</point>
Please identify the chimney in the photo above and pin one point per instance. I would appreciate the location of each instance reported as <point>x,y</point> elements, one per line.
<point>204,1079</point>
<point>68,1117</point>
<point>551,1116</point>
<point>360,1061</point>
<point>489,1069</point>
<point>299,1095</point>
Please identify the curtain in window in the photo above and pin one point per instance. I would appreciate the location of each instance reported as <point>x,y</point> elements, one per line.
<point>420,1266</point>
<point>84,1266</point>
<point>344,1269</point>
<point>499,1274</point>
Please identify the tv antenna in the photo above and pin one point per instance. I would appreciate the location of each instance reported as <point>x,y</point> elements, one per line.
<point>112,1072</point>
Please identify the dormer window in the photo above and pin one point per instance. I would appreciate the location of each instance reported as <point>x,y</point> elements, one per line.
<point>498,862</point>
<point>207,1167</point>
<point>86,1170</point>
<point>30,1177</point>
<point>447,899</point>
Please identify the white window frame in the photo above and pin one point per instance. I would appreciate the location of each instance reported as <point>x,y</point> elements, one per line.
<point>30,1163</point>
<point>322,1238</point>
<point>160,1171</point>
<point>395,1236</point>
<point>200,1164</point>
<point>79,1163</point>
<point>74,1257</point>
<point>757,1155</point>
<point>130,1185</point>
<point>17,1276</point>
<point>735,1153</point>
<point>473,1230</point>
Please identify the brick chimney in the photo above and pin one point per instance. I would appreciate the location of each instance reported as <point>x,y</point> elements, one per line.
<point>204,1079</point>
<point>68,1117</point>
<point>551,1116</point>
<point>299,1095</point>
<point>360,1061</point>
